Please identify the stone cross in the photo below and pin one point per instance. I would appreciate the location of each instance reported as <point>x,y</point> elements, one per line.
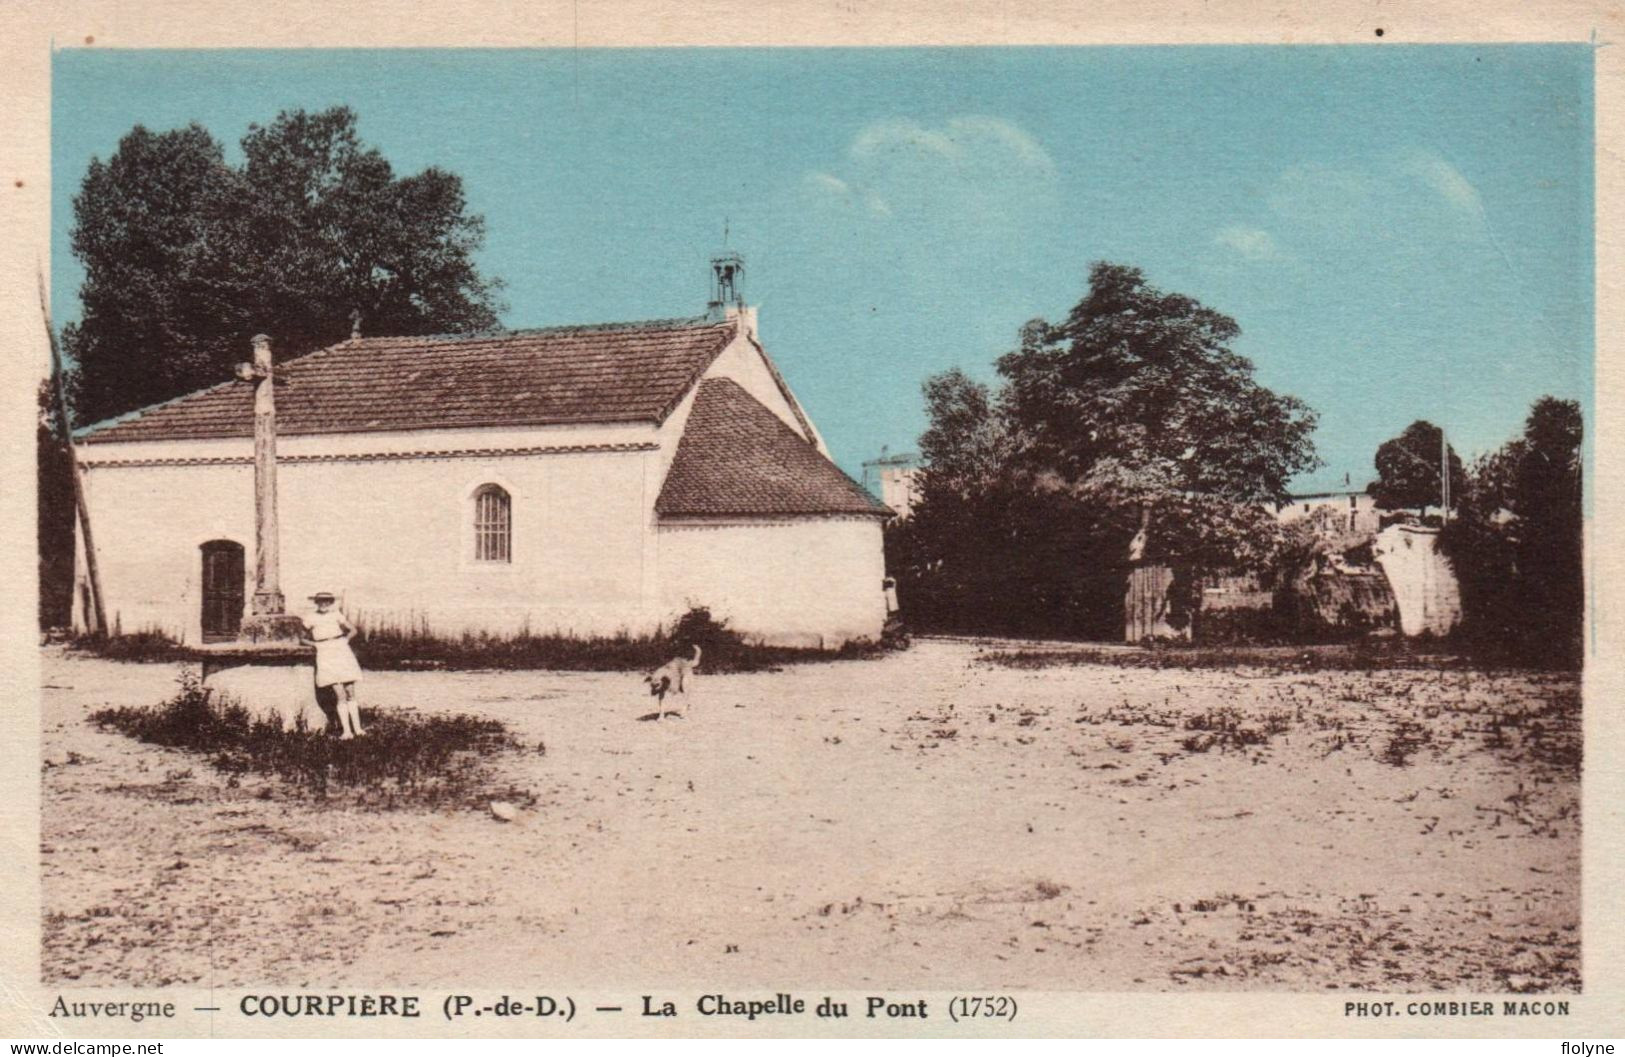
<point>268,600</point>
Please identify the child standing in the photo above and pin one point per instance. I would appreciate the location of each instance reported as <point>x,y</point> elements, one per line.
<point>336,666</point>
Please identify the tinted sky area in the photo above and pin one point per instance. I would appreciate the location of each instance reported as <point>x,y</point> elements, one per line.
<point>1402,232</point>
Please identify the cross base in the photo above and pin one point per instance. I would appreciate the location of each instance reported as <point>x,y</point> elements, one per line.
<point>269,604</point>
<point>272,627</point>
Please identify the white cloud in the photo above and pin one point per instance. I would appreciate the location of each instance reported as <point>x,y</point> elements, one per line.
<point>1318,193</point>
<point>1255,244</point>
<point>823,181</point>
<point>968,138</point>
<point>833,187</point>
<point>971,169</point>
<point>876,204</point>
<point>1447,181</point>
<point>1013,139</point>
<point>1391,193</point>
<point>900,134</point>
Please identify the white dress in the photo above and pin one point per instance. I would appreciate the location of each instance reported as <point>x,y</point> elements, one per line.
<point>335,661</point>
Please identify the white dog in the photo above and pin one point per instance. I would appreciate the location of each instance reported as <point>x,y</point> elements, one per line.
<point>673,677</point>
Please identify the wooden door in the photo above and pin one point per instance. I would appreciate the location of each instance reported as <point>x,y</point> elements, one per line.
<point>1145,605</point>
<point>222,590</point>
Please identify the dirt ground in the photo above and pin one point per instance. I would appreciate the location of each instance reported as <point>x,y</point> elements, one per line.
<point>923,820</point>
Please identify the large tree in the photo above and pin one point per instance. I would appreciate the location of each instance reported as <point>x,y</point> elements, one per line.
<point>1547,503</point>
<point>1133,417</point>
<point>1517,542</point>
<point>985,549</point>
<point>1137,405</point>
<point>187,256</point>
<point>1408,470</point>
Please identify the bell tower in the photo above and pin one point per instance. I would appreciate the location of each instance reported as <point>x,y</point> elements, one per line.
<point>727,283</point>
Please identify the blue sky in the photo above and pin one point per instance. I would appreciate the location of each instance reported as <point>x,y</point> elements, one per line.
<point>1402,232</point>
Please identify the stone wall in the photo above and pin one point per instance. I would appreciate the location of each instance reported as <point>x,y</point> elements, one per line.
<point>1424,584</point>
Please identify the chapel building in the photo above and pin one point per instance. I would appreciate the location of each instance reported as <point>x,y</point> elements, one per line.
<point>585,480</point>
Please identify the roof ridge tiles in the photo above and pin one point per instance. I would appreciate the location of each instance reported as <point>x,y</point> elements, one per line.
<point>672,323</point>
<point>607,372</point>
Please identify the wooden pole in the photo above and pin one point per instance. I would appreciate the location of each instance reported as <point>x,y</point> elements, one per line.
<point>98,621</point>
<point>1444,478</point>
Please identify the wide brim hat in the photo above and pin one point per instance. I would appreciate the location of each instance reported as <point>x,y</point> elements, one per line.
<point>324,596</point>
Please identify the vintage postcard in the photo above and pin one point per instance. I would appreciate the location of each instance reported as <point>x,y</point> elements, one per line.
<point>884,524</point>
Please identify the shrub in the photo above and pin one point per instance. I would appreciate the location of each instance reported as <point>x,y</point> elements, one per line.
<point>404,760</point>
<point>1234,627</point>
<point>698,627</point>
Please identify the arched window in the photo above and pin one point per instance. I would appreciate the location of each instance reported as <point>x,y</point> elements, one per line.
<point>493,525</point>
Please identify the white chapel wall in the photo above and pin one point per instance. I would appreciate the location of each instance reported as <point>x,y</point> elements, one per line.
<point>392,538</point>
<point>150,523</point>
<point>793,582</point>
<point>742,362</point>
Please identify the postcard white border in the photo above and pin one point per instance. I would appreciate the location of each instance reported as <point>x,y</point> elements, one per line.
<point>30,31</point>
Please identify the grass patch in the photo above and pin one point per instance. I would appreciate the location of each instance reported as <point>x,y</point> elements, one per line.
<point>405,759</point>
<point>1367,655</point>
<point>142,647</point>
<point>408,650</point>
<point>1225,730</point>
<point>1406,740</point>
<point>417,647</point>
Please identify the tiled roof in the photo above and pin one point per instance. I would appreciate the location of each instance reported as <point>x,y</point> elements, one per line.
<point>738,458</point>
<point>626,372</point>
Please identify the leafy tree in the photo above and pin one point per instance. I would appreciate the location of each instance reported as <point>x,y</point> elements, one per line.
<point>1547,503</point>
<point>985,550</point>
<point>1481,550</point>
<point>1131,418</point>
<point>1137,406</point>
<point>1516,543</point>
<point>1408,470</point>
<point>187,256</point>
<point>966,446</point>
<point>143,223</point>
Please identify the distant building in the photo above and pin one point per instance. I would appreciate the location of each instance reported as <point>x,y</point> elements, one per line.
<point>894,480</point>
<point>1352,511</point>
